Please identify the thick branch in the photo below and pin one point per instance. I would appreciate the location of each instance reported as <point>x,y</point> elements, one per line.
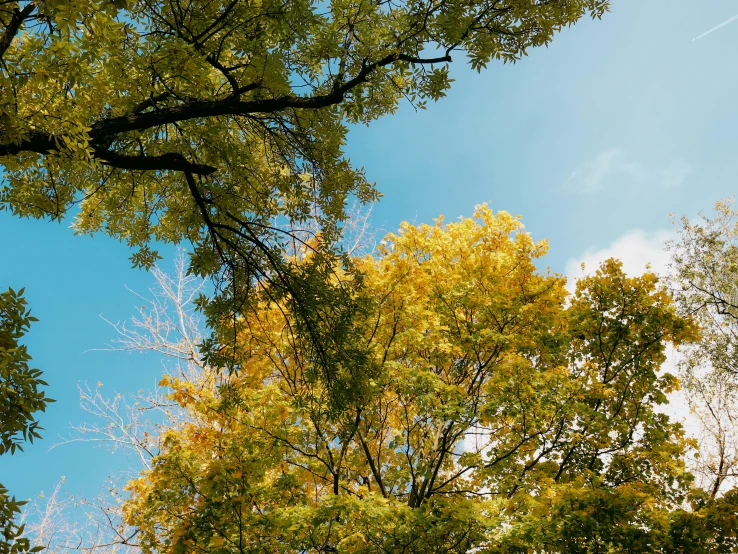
<point>165,162</point>
<point>43,143</point>
<point>19,16</point>
<point>370,460</point>
<point>423,61</point>
<point>103,132</point>
<point>35,141</point>
<point>232,106</point>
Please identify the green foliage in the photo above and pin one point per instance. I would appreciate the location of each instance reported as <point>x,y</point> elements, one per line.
<point>11,540</point>
<point>705,260</point>
<point>20,397</point>
<point>20,400</point>
<point>498,413</point>
<point>705,285</point>
<point>710,527</point>
<point>222,123</point>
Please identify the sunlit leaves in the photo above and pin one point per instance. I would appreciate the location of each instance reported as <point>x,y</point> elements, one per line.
<point>491,410</point>
<point>20,400</point>
<point>108,105</point>
<point>705,285</point>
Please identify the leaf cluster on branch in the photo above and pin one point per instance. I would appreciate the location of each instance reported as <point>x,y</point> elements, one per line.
<point>222,122</point>
<point>496,413</point>
<point>20,400</point>
<point>705,286</point>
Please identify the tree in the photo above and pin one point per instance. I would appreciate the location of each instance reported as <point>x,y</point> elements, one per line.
<point>222,122</point>
<point>705,284</point>
<point>20,400</point>
<point>497,413</point>
<point>167,323</point>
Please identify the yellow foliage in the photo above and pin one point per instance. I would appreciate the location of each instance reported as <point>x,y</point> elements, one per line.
<point>488,395</point>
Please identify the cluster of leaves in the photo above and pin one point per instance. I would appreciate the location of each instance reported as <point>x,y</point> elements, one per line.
<point>705,286</point>
<point>496,413</point>
<point>222,122</point>
<point>20,400</point>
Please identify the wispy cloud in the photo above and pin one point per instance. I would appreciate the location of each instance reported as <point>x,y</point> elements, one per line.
<point>591,175</point>
<point>614,166</point>
<point>716,27</point>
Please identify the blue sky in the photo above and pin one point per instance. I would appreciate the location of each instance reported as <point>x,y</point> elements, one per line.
<point>616,124</point>
<point>593,141</point>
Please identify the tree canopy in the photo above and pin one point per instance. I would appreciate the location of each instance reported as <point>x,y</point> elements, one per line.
<point>705,285</point>
<point>498,413</point>
<point>442,395</point>
<point>222,122</point>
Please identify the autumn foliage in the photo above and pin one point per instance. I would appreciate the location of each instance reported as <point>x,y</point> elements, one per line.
<point>496,412</point>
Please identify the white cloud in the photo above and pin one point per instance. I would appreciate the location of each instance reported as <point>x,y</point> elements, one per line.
<point>615,167</point>
<point>637,250</point>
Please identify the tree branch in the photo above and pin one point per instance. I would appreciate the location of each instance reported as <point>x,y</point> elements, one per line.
<point>104,131</point>
<point>232,106</point>
<point>370,460</point>
<point>43,143</point>
<point>165,162</point>
<point>151,101</point>
<point>423,61</point>
<point>19,16</point>
<point>35,141</point>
